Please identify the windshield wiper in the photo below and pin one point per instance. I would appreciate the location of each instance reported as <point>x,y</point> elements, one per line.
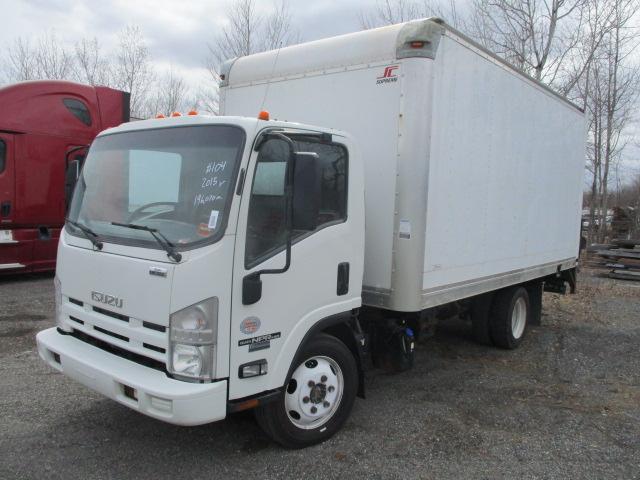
<point>90,234</point>
<point>159,237</point>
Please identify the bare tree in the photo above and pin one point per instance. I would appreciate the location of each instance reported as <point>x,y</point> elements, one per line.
<point>170,95</point>
<point>133,71</point>
<point>47,58</point>
<point>534,35</point>
<point>247,32</point>
<point>278,28</point>
<point>389,12</point>
<point>207,95</point>
<point>53,60</point>
<point>611,91</point>
<point>240,36</point>
<point>20,61</point>
<point>93,67</point>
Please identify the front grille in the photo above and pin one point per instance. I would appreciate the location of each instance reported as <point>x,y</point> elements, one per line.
<point>154,348</point>
<point>153,326</point>
<point>108,313</point>
<point>114,335</point>
<point>141,339</point>
<point>77,302</point>
<point>120,352</point>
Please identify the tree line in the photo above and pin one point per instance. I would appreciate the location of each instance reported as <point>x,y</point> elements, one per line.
<point>583,49</point>
<point>130,66</point>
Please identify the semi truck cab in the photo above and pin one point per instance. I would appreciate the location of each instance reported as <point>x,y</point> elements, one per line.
<point>203,265</point>
<point>44,127</point>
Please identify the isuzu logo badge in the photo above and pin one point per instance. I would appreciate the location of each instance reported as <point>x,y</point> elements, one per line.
<point>106,299</point>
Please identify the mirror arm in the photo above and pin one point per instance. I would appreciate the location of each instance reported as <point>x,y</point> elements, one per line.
<point>289,206</point>
<point>252,284</point>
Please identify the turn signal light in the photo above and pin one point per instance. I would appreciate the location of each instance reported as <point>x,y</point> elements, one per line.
<point>253,369</point>
<point>263,115</point>
<point>417,44</point>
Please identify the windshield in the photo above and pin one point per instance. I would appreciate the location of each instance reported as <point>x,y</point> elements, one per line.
<point>176,180</point>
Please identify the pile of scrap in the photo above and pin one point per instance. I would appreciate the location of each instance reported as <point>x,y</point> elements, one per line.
<point>622,259</point>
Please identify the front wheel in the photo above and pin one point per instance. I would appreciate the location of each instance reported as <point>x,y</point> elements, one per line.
<point>318,398</point>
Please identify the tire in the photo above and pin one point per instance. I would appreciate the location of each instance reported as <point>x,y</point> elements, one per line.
<point>290,420</point>
<point>509,317</point>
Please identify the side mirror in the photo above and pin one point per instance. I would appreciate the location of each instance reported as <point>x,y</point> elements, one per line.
<point>71,177</point>
<point>307,188</point>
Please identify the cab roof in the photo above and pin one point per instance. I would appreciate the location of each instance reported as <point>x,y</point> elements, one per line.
<point>247,123</point>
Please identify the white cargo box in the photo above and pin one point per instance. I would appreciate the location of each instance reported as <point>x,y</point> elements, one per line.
<point>473,170</point>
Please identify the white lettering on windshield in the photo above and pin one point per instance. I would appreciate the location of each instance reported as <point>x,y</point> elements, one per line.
<point>215,167</point>
<point>204,199</point>
<point>212,182</point>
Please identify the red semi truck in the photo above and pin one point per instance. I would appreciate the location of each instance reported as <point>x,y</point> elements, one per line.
<point>44,129</point>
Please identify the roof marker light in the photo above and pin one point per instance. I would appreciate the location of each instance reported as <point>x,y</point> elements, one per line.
<point>176,114</point>
<point>160,115</point>
<point>192,112</point>
<point>416,44</point>
<point>263,115</point>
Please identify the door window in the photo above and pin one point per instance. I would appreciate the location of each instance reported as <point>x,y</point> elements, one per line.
<point>266,224</point>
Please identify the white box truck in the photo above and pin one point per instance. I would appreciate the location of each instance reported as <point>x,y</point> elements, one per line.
<point>215,264</point>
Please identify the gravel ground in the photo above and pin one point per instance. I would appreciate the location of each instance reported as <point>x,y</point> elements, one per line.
<point>564,405</point>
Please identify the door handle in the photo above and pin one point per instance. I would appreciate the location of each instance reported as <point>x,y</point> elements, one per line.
<point>342,287</point>
<point>5,209</point>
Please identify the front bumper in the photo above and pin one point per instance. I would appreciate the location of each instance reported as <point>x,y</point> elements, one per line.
<point>158,396</point>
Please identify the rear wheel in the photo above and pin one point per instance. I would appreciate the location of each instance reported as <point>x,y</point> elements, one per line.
<point>509,317</point>
<point>318,398</point>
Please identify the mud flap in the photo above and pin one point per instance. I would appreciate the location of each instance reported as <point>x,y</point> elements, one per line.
<point>393,346</point>
<point>480,307</point>
<point>534,290</point>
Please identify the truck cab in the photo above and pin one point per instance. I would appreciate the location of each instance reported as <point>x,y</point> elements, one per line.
<point>212,264</point>
<point>44,126</point>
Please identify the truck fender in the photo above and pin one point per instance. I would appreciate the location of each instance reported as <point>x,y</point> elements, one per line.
<point>346,328</point>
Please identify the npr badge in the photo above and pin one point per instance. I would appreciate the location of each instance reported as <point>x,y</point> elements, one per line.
<point>260,342</point>
<point>250,325</point>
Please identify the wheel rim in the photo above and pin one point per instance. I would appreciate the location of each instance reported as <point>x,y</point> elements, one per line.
<point>519,317</point>
<point>314,392</point>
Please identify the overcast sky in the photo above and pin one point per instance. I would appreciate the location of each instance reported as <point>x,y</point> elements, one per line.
<point>177,31</point>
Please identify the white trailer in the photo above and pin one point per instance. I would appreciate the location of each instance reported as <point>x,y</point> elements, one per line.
<point>215,264</point>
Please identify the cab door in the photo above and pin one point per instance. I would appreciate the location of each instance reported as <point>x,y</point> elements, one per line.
<point>312,287</point>
<point>7,179</point>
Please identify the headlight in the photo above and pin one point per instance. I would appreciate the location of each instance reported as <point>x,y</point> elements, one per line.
<point>193,332</point>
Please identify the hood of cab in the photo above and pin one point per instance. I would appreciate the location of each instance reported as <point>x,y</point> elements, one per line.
<point>129,286</point>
